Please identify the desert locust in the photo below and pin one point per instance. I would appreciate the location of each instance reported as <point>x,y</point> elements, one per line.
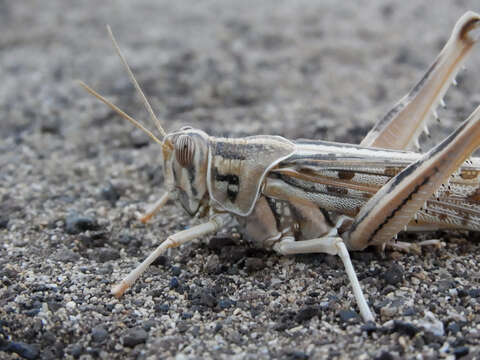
<point>284,193</point>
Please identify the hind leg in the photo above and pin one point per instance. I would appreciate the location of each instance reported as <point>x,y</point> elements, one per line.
<point>392,208</point>
<point>402,125</point>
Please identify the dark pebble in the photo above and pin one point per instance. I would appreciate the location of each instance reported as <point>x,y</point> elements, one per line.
<point>409,311</point>
<point>9,272</point>
<point>385,356</point>
<point>125,239</point>
<point>453,328</point>
<point>32,312</point>
<point>431,338</point>
<point>99,334</point>
<point>75,224</point>
<point>296,355</point>
<point>3,222</point>
<point>254,264</point>
<point>76,350</point>
<point>393,275</point>
<point>53,306</point>
<point>405,328</point>
<point>306,313</point>
<point>348,316</point>
<point>26,351</point>
<point>50,124</point>
<point>110,193</point>
<point>135,337</point>
<point>182,327</point>
<point>149,324</point>
<point>462,293</point>
<point>105,254</point>
<point>445,284</point>
<point>162,308</point>
<point>94,239</point>
<point>369,327</point>
<point>161,261</point>
<point>217,243</point>
<point>186,315</point>
<point>176,270</point>
<point>218,327</point>
<point>174,283</point>
<point>232,253</point>
<point>475,293</point>
<point>207,299</point>
<point>460,351</point>
<point>225,304</point>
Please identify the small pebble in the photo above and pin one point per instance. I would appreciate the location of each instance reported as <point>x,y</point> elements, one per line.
<point>99,334</point>
<point>348,315</point>
<point>161,261</point>
<point>3,222</point>
<point>26,351</point>
<point>409,311</point>
<point>149,324</point>
<point>453,328</point>
<point>225,303</point>
<point>385,355</point>
<point>126,239</point>
<point>306,313</point>
<point>296,355</point>
<point>174,283</point>
<point>393,275</point>
<point>110,193</point>
<point>176,270</point>
<point>71,305</point>
<point>134,337</point>
<point>76,350</point>
<point>75,224</point>
<point>162,308</point>
<point>217,242</point>
<point>207,299</point>
<point>218,327</point>
<point>475,293</point>
<point>254,264</point>
<point>405,328</point>
<point>369,327</point>
<point>186,315</point>
<point>461,351</point>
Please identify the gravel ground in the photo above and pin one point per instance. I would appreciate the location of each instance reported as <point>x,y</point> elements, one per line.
<point>73,175</point>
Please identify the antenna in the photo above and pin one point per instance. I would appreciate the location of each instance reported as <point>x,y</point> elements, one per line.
<point>120,112</point>
<point>135,83</point>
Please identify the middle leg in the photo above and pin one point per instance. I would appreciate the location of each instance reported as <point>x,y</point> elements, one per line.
<point>332,245</point>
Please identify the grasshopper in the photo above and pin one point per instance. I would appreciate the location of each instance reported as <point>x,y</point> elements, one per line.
<point>283,193</point>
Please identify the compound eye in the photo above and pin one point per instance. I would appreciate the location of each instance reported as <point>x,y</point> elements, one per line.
<point>184,150</point>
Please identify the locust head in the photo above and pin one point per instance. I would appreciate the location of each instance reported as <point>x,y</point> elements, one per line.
<point>185,160</point>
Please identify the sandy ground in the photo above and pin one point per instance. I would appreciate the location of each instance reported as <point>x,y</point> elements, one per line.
<point>73,175</point>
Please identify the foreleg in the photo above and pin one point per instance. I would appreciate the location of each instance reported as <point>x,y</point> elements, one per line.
<point>155,208</point>
<point>216,222</point>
